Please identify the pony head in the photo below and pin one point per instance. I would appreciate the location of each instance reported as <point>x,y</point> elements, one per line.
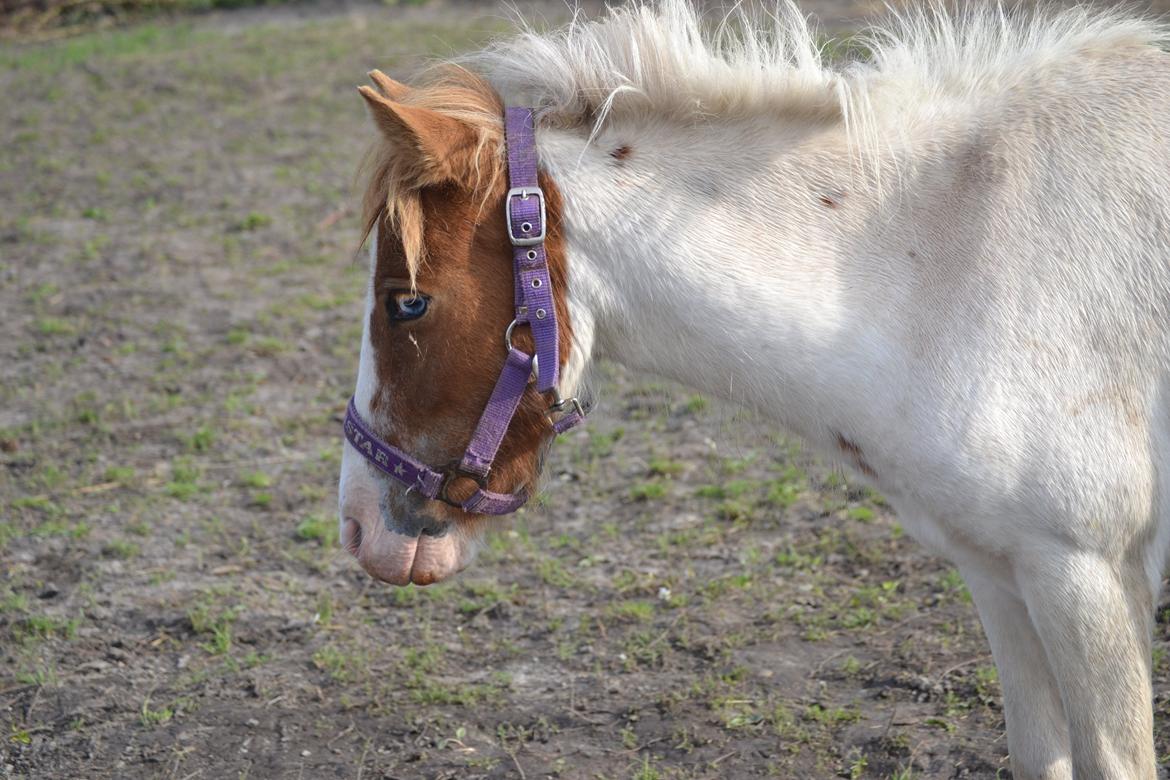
<point>438,306</point>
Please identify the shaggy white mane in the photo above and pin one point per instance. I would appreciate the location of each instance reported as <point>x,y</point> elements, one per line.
<point>663,59</point>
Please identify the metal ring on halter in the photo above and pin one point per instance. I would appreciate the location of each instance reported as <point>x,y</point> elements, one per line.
<point>453,472</point>
<point>508,335</point>
<point>508,345</point>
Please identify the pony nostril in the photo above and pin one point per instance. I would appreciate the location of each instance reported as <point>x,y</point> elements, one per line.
<point>435,529</point>
<point>351,536</point>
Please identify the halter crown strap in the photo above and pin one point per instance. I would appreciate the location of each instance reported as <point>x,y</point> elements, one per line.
<point>527,226</point>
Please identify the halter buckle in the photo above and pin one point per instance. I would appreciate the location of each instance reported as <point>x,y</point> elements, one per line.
<point>524,193</point>
<point>453,472</point>
<point>561,404</point>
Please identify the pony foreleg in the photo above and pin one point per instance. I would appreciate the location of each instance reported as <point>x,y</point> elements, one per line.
<point>1036,727</point>
<point>1094,619</point>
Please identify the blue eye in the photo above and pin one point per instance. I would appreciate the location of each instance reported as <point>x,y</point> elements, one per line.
<point>405,305</point>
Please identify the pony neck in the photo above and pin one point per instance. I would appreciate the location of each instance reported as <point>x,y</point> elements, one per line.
<point>740,258</point>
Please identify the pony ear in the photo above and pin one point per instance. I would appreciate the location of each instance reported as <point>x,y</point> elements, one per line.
<point>442,146</point>
<point>391,89</point>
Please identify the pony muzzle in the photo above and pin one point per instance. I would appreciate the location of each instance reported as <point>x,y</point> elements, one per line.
<point>398,538</point>
<point>406,550</point>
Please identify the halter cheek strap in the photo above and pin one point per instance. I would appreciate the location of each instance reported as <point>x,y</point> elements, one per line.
<point>527,226</point>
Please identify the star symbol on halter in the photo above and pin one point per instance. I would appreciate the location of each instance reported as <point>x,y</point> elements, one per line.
<point>399,470</point>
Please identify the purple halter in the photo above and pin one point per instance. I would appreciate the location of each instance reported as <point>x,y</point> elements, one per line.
<point>527,225</point>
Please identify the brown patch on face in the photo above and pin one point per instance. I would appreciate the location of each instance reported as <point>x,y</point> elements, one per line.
<point>855,454</point>
<point>435,374</point>
<point>621,153</point>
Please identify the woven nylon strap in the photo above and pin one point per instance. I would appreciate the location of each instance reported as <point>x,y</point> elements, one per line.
<point>397,464</point>
<point>527,221</point>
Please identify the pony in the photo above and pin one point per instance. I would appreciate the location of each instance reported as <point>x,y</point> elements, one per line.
<point>945,263</point>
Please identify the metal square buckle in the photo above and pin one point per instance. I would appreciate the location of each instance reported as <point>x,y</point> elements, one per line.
<point>524,193</point>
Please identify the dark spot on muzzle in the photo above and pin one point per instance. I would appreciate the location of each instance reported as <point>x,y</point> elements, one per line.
<point>409,522</point>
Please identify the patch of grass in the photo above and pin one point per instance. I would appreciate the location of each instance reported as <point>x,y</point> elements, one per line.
<point>784,490</point>
<point>47,626</point>
<point>426,691</point>
<point>54,326</point>
<point>121,548</point>
<point>952,584</point>
<point>665,467</point>
<point>42,673</point>
<point>732,582</point>
<point>732,489</point>
<point>648,491</point>
<point>734,511</point>
<point>315,528</point>
<point>337,663</point>
<point>57,57</point>
<point>51,477</point>
<point>208,618</point>
<point>151,717</point>
<point>552,572</point>
<point>201,440</point>
<point>183,484</point>
<point>832,715</point>
<point>481,597</point>
<point>256,479</point>
<point>40,503</point>
<point>123,475</point>
<point>42,292</point>
<point>181,490</point>
<point>941,723</point>
<point>422,665</point>
<point>635,610</point>
<point>424,660</point>
<point>987,681</point>
<point>269,346</point>
<point>602,444</point>
<point>221,639</point>
<point>862,514</point>
<point>139,528</point>
<point>252,221</point>
<point>324,612</point>
<point>646,771</point>
<point>12,601</point>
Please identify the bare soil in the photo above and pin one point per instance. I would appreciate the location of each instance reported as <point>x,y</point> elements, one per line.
<point>694,597</point>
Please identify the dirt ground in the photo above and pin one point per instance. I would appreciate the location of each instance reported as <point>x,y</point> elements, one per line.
<point>694,597</point>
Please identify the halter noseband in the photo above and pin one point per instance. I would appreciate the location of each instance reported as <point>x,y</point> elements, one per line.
<point>527,225</point>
